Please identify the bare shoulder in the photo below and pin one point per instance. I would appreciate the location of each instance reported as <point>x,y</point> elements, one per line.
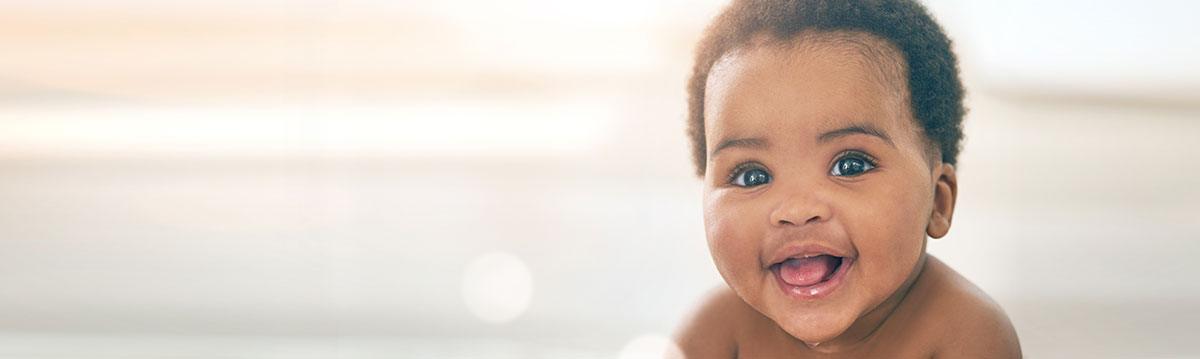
<point>711,331</point>
<point>973,325</point>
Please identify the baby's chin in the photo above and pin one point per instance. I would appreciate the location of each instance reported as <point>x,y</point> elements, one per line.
<point>812,320</point>
<point>814,327</point>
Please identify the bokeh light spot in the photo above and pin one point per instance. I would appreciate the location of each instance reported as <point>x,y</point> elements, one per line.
<point>651,346</point>
<point>497,287</point>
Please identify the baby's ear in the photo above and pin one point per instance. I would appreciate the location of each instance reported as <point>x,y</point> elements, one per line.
<point>945,191</point>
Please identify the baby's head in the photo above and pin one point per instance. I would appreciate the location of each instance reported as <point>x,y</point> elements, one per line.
<point>826,133</point>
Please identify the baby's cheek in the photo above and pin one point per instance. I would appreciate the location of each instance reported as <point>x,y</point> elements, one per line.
<point>733,247</point>
<point>723,242</point>
<point>896,231</point>
<point>904,209</point>
<point>909,225</point>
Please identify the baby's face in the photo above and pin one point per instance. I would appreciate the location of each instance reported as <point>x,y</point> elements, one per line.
<point>818,188</point>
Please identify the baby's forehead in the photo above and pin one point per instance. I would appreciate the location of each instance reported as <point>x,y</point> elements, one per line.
<point>844,70</point>
<point>874,55</point>
<point>819,81</point>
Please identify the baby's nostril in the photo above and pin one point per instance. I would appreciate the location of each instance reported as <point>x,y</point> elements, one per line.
<point>810,220</point>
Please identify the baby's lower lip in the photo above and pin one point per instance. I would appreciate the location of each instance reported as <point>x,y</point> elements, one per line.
<point>815,291</point>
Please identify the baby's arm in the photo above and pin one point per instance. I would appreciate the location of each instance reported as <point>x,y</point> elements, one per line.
<point>710,331</point>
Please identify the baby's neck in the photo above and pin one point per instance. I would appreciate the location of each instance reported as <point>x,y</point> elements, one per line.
<point>865,327</point>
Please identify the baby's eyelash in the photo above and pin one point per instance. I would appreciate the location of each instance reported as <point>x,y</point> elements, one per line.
<point>857,154</point>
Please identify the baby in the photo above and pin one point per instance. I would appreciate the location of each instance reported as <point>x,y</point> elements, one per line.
<point>826,133</point>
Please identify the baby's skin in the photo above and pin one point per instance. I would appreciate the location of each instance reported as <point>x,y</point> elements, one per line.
<point>820,193</point>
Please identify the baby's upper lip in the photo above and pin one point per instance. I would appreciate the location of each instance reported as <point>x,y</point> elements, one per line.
<point>802,250</point>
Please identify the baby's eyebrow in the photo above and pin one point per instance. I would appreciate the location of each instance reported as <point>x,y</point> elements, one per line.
<point>852,129</point>
<point>755,142</point>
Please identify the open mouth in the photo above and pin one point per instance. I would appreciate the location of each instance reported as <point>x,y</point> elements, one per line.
<point>810,277</point>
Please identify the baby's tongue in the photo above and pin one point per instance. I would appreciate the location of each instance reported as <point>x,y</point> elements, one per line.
<point>807,271</point>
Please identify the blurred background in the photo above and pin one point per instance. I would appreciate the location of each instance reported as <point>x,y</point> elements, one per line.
<point>478,179</point>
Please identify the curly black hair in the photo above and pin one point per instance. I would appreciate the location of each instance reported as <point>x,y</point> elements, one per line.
<point>935,90</point>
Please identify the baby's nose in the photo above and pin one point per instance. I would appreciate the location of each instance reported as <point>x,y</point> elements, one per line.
<point>800,209</point>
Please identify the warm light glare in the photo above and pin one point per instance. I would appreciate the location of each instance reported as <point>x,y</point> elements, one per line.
<point>439,129</point>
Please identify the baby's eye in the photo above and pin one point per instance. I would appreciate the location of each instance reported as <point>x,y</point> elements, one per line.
<point>751,177</point>
<point>851,166</point>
